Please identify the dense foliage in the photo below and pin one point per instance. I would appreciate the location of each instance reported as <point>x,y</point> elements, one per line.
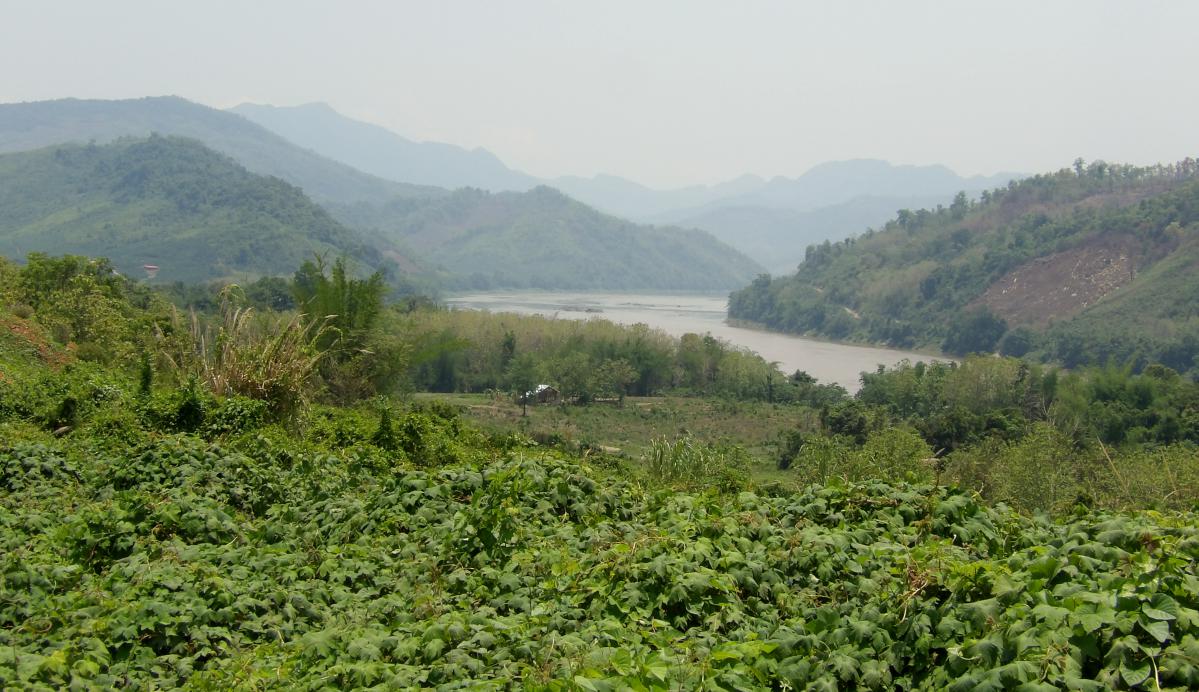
<point>132,558</point>
<point>1035,438</point>
<point>544,239</point>
<point>929,277</point>
<point>166,202</point>
<point>475,351</point>
<point>193,525</point>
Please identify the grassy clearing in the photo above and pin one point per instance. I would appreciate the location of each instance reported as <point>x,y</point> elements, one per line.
<point>630,431</point>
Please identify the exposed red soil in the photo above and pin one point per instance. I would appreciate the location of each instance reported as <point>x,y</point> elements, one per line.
<point>37,341</point>
<point>1061,285</point>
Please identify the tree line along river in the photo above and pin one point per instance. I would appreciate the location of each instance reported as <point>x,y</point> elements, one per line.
<point>679,314</point>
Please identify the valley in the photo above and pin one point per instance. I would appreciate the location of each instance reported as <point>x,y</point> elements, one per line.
<point>704,314</point>
<point>621,347</point>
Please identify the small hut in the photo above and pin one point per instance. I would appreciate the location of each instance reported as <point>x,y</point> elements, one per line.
<point>543,394</point>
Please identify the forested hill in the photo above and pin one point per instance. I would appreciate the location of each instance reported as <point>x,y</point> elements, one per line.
<point>535,239</point>
<point>27,126</point>
<point>170,202</point>
<point>1089,264</point>
<point>544,239</point>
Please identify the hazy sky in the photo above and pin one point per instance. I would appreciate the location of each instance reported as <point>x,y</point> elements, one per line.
<point>666,93</point>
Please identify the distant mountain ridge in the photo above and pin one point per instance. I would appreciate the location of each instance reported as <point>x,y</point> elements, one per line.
<point>780,237</point>
<point>623,197</point>
<point>170,202</point>
<point>837,182</point>
<point>775,219</point>
<point>26,126</point>
<point>1088,265</point>
<point>381,152</point>
<point>543,239</point>
<point>517,228</point>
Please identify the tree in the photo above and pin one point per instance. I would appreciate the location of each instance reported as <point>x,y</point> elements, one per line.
<point>270,293</point>
<point>522,375</point>
<point>357,361</point>
<point>574,373</point>
<point>78,299</point>
<point>43,275</point>
<point>615,377</point>
<point>974,331</point>
<point>1017,342</point>
<point>348,306</point>
<point>507,348</point>
<point>960,205</point>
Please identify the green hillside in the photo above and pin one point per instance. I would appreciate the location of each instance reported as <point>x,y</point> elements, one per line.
<point>538,239</point>
<point>26,126</point>
<point>205,509</point>
<point>544,239</point>
<point>165,201</point>
<point>1088,264</point>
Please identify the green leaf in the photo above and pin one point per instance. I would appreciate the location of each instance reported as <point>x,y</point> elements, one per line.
<point>725,653</point>
<point>1161,607</point>
<point>1135,673</point>
<point>1051,615</point>
<point>1092,622</point>
<point>1159,630</point>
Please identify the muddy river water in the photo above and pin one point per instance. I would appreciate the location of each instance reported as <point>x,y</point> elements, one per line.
<point>699,314</point>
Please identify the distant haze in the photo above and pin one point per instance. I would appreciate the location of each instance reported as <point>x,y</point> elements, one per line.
<point>664,93</point>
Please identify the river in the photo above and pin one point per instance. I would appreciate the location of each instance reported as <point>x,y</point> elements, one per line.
<point>698,314</point>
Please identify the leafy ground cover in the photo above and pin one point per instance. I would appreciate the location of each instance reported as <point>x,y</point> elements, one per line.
<point>253,560</point>
<point>159,529</point>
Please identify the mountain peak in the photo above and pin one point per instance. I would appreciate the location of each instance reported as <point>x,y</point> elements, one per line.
<point>168,201</point>
<point>379,151</point>
<point>26,126</point>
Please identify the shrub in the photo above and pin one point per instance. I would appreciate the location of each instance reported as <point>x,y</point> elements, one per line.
<point>272,358</point>
<point>1037,472</point>
<point>893,454</point>
<point>427,441</point>
<point>846,418</point>
<point>686,462</point>
<point>98,535</point>
<point>822,458</point>
<point>179,410</point>
<point>115,426</point>
<point>385,436</point>
<point>1017,342</point>
<point>790,445</point>
<point>332,427</point>
<point>235,415</point>
<point>92,352</point>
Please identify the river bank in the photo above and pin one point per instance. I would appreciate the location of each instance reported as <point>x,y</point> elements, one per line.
<point>679,314</point>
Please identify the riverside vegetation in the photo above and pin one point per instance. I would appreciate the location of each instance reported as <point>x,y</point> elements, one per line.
<point>245,498</point>
<point>1087,265</point>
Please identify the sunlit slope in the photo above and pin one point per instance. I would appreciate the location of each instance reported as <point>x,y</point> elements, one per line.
<point>26,126</point>
<point>1082,265</point>
<point>165,201</point>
